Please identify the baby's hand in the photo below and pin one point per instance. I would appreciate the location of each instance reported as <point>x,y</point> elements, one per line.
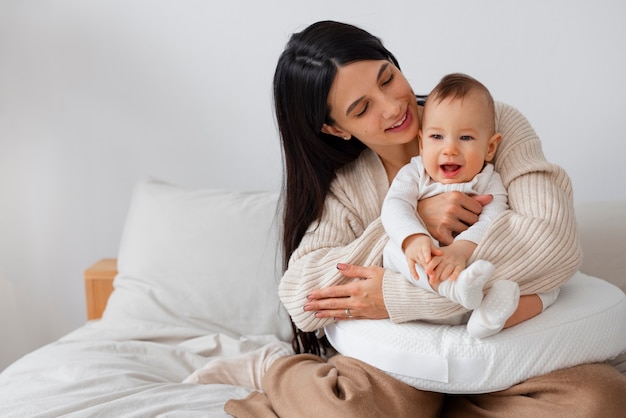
<point>419,249</point>
<point>444,267</point>
<point>451,262</point>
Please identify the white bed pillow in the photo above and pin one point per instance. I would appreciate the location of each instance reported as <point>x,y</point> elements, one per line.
<point>586,324</point>
<point>206,259</point>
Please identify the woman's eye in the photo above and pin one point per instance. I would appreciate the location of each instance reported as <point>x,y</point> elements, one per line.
<point>389,80</point>
<point>362,112</point>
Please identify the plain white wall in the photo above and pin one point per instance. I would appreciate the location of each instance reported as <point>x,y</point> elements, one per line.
<point>96,95</point>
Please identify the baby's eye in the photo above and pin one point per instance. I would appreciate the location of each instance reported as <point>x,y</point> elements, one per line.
<point>436,136</point>
<point>466,138</point>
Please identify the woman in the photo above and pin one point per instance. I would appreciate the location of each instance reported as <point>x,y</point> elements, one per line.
<point>348,121</point>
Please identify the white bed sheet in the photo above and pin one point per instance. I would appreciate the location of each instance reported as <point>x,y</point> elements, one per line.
<point>134,370</point>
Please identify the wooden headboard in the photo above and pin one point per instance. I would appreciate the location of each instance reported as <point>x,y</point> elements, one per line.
<point>99,285</point>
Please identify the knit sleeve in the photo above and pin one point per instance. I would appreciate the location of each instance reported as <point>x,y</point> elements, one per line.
<point>535,242</point>
<point>345,233</point>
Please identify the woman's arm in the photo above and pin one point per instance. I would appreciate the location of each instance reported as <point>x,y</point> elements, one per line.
<point>314,264</point>
<point>449,214</point>
<point>349,231</point>
<point>491,211</point>
<point>535,242</point>
<point>345,233</point>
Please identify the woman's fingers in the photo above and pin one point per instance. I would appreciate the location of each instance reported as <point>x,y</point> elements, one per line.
<point>332,302</point>
<point>357,272</point>
<point>483,200</point>
<point>450,213</point>
<point>339,291</point>
<point>358,299</point>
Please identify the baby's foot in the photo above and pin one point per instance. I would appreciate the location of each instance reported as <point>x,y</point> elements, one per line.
<point>467,289</point>
<point>498,306</point>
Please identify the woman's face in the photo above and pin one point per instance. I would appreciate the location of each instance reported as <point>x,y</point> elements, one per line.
<point>372,101</point>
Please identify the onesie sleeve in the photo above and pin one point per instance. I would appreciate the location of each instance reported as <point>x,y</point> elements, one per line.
<point>399,211</point>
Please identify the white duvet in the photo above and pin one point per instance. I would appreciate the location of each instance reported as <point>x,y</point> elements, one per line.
<point>135,371</point>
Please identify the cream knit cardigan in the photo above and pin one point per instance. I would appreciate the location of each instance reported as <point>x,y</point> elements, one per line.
<point>534,243</point>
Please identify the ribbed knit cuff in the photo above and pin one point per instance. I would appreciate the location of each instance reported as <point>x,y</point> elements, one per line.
<point>407,302</point>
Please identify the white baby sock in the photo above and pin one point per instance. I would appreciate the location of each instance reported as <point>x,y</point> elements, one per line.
<point>548,298</point>
<point>246,370</point>
<point>497,306</point>
<point>467,289</point>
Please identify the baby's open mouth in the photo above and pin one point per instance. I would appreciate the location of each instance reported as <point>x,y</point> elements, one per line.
<point>450,168</point>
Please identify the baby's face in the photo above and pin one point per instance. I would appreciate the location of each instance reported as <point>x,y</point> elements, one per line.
<point>457,138</point>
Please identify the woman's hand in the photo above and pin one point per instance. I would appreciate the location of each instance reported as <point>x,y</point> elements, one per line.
<point>448,214</point>
<point>359,299</point>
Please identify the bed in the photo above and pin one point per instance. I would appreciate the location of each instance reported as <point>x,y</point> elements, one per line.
<point>194,280</point>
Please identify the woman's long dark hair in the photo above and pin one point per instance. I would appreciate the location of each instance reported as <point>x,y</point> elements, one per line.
<point>304,74</point>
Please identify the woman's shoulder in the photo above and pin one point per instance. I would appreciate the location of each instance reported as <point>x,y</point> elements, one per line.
<point>367,163</point>
<point>520,151</point>
<point>363,176</point>
<point>506,113</point>
<point>516,130</point>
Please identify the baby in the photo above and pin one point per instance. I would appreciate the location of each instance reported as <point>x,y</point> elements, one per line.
<point>457,141</point>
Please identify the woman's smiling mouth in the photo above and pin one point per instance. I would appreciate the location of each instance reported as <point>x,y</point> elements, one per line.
<point>401,124</point>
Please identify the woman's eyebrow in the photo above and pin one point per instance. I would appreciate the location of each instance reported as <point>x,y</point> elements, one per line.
<point>382,70</point>
<point>357,101</point>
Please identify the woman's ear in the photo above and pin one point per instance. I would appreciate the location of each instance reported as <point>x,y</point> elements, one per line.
<point>492,146</point>
<point>332,130</point>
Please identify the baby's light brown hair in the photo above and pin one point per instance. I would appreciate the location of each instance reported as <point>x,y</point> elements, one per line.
<point>459,86</point>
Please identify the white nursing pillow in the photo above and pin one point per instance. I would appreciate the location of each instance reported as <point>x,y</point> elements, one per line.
<point>586,324</point>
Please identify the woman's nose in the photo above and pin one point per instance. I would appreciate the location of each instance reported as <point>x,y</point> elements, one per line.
<point>392,109</point>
